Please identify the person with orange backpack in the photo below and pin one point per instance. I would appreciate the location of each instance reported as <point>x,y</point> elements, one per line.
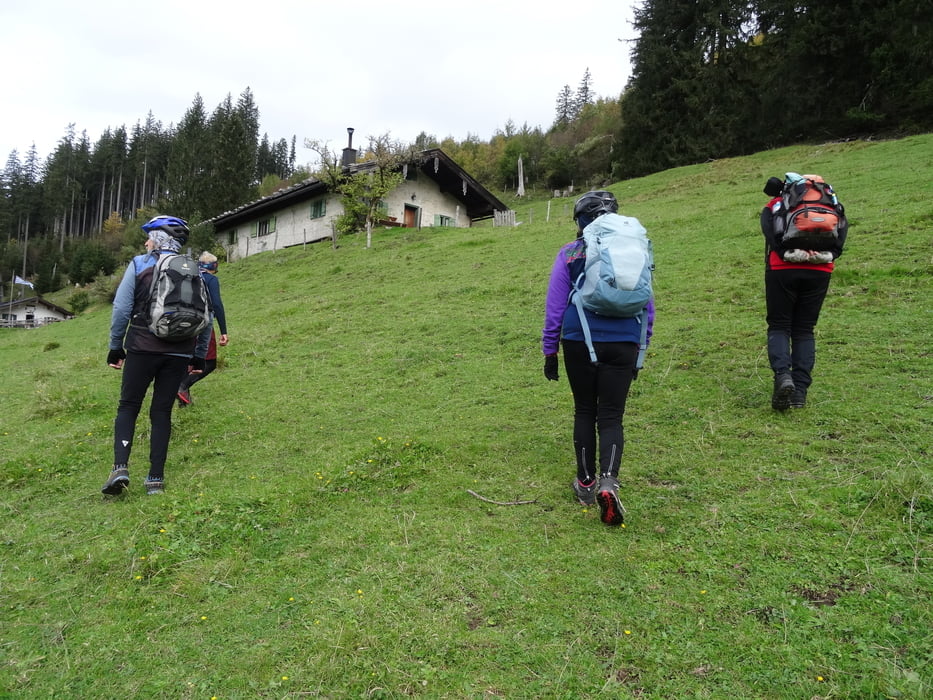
<point>805,230</point>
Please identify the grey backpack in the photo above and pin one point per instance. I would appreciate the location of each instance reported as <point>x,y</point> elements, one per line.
<point>179,307</point>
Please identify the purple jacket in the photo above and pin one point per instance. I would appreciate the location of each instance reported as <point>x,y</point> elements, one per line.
<point>560,316</point>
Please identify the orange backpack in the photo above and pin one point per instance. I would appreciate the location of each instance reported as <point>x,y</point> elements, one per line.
<point>810,214</point>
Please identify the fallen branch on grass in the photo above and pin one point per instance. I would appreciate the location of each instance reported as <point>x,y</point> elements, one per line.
<point>499,503</point>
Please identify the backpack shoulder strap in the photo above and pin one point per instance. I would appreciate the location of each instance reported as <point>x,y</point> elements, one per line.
<point>161,263</point>
<point>643,342</point>
<point>587,337</point>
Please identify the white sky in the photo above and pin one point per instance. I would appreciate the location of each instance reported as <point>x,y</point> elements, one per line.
<point>314,68</point>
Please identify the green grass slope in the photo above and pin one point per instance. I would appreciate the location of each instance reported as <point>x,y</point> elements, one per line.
<point>370,498</point>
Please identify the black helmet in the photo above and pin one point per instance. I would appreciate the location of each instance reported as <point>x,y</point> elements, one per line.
<point>172,225</point>
<point>774,187</point>
<point>593,204</point>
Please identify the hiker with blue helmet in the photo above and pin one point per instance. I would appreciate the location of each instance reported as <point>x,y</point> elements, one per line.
<point>145,359</point>
<point>600,389</point>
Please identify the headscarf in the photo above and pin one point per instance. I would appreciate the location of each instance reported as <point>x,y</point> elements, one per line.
<point>164,241</point>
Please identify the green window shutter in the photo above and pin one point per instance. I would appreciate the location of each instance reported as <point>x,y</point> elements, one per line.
<point>255,230</point>
<point>272,225</point>
<point>437,219</point>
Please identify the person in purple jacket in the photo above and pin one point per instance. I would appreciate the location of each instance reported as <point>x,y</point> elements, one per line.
<point>599,390</point>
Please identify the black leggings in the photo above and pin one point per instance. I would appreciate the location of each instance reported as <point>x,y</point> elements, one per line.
<point>140,370</point>
<point>599,395</point>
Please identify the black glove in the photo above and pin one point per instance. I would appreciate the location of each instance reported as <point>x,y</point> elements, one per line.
<point>114,356</point>
<point>197,364</point>
<point>550,367</point>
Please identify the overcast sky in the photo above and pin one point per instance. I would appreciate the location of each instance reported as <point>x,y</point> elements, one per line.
<point>314,67</point>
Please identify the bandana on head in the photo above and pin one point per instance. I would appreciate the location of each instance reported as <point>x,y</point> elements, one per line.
<point>163,241</point>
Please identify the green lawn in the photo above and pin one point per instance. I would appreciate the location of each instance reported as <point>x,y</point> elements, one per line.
<point>327,529</point>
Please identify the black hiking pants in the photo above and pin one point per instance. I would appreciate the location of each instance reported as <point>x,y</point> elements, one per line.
<point>599,395</point>
<point>794,299</point>
<point>164,372</point>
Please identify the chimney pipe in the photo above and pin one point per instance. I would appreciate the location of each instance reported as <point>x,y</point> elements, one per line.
<point>349,153</point>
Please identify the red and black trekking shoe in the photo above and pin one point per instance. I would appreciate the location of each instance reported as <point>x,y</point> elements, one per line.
<point>586,495</point>
<point>607,495</point>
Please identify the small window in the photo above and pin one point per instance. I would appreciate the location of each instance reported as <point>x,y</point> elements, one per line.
<point>232,237</point>
<point>318,208</point>
<point>441,220</point>
<point>263,227</point>
<point>411,173</point>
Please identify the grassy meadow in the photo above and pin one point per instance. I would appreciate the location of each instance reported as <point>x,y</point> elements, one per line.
<point>370,497</point>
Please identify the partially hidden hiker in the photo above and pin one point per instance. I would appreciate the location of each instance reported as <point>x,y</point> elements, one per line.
<point>145,359</point>
<point>798,266</point>
<point>600,388</point>
<point>207,341</point>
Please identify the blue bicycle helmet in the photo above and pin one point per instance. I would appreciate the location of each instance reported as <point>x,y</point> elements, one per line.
<point>592,205</point>
<point>172,225</point>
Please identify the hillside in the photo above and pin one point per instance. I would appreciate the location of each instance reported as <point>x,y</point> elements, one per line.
<point>321,534</point>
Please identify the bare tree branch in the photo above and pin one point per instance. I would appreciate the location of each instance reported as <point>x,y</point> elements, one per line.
<point>499,503</point>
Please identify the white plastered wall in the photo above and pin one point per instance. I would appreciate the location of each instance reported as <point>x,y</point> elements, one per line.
<point>294,225</point>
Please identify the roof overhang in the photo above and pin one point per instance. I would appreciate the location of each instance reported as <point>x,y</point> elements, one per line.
<point>479,202</point>
<point>269,205</point>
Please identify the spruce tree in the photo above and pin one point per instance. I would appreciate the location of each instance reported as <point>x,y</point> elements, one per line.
<point>564,108</point>
<point>187,175</point>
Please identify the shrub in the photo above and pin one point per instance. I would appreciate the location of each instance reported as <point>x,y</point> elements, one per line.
<point>79,301</point>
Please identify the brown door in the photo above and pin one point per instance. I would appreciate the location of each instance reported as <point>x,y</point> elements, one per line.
<point>411,216</point>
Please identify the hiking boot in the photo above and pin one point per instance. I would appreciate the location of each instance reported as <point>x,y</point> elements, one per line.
<point>798,399</point>
<point>154,486</point>
<point>184,397</point>
<point>783,388</point>
<point>118,481</point>
<point>586,495</point>
<point>612,512</point>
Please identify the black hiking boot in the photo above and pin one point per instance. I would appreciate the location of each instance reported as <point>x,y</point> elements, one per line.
<point>783,389</point>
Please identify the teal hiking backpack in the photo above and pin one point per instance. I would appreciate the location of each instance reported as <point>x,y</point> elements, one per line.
<point>617,278</point>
